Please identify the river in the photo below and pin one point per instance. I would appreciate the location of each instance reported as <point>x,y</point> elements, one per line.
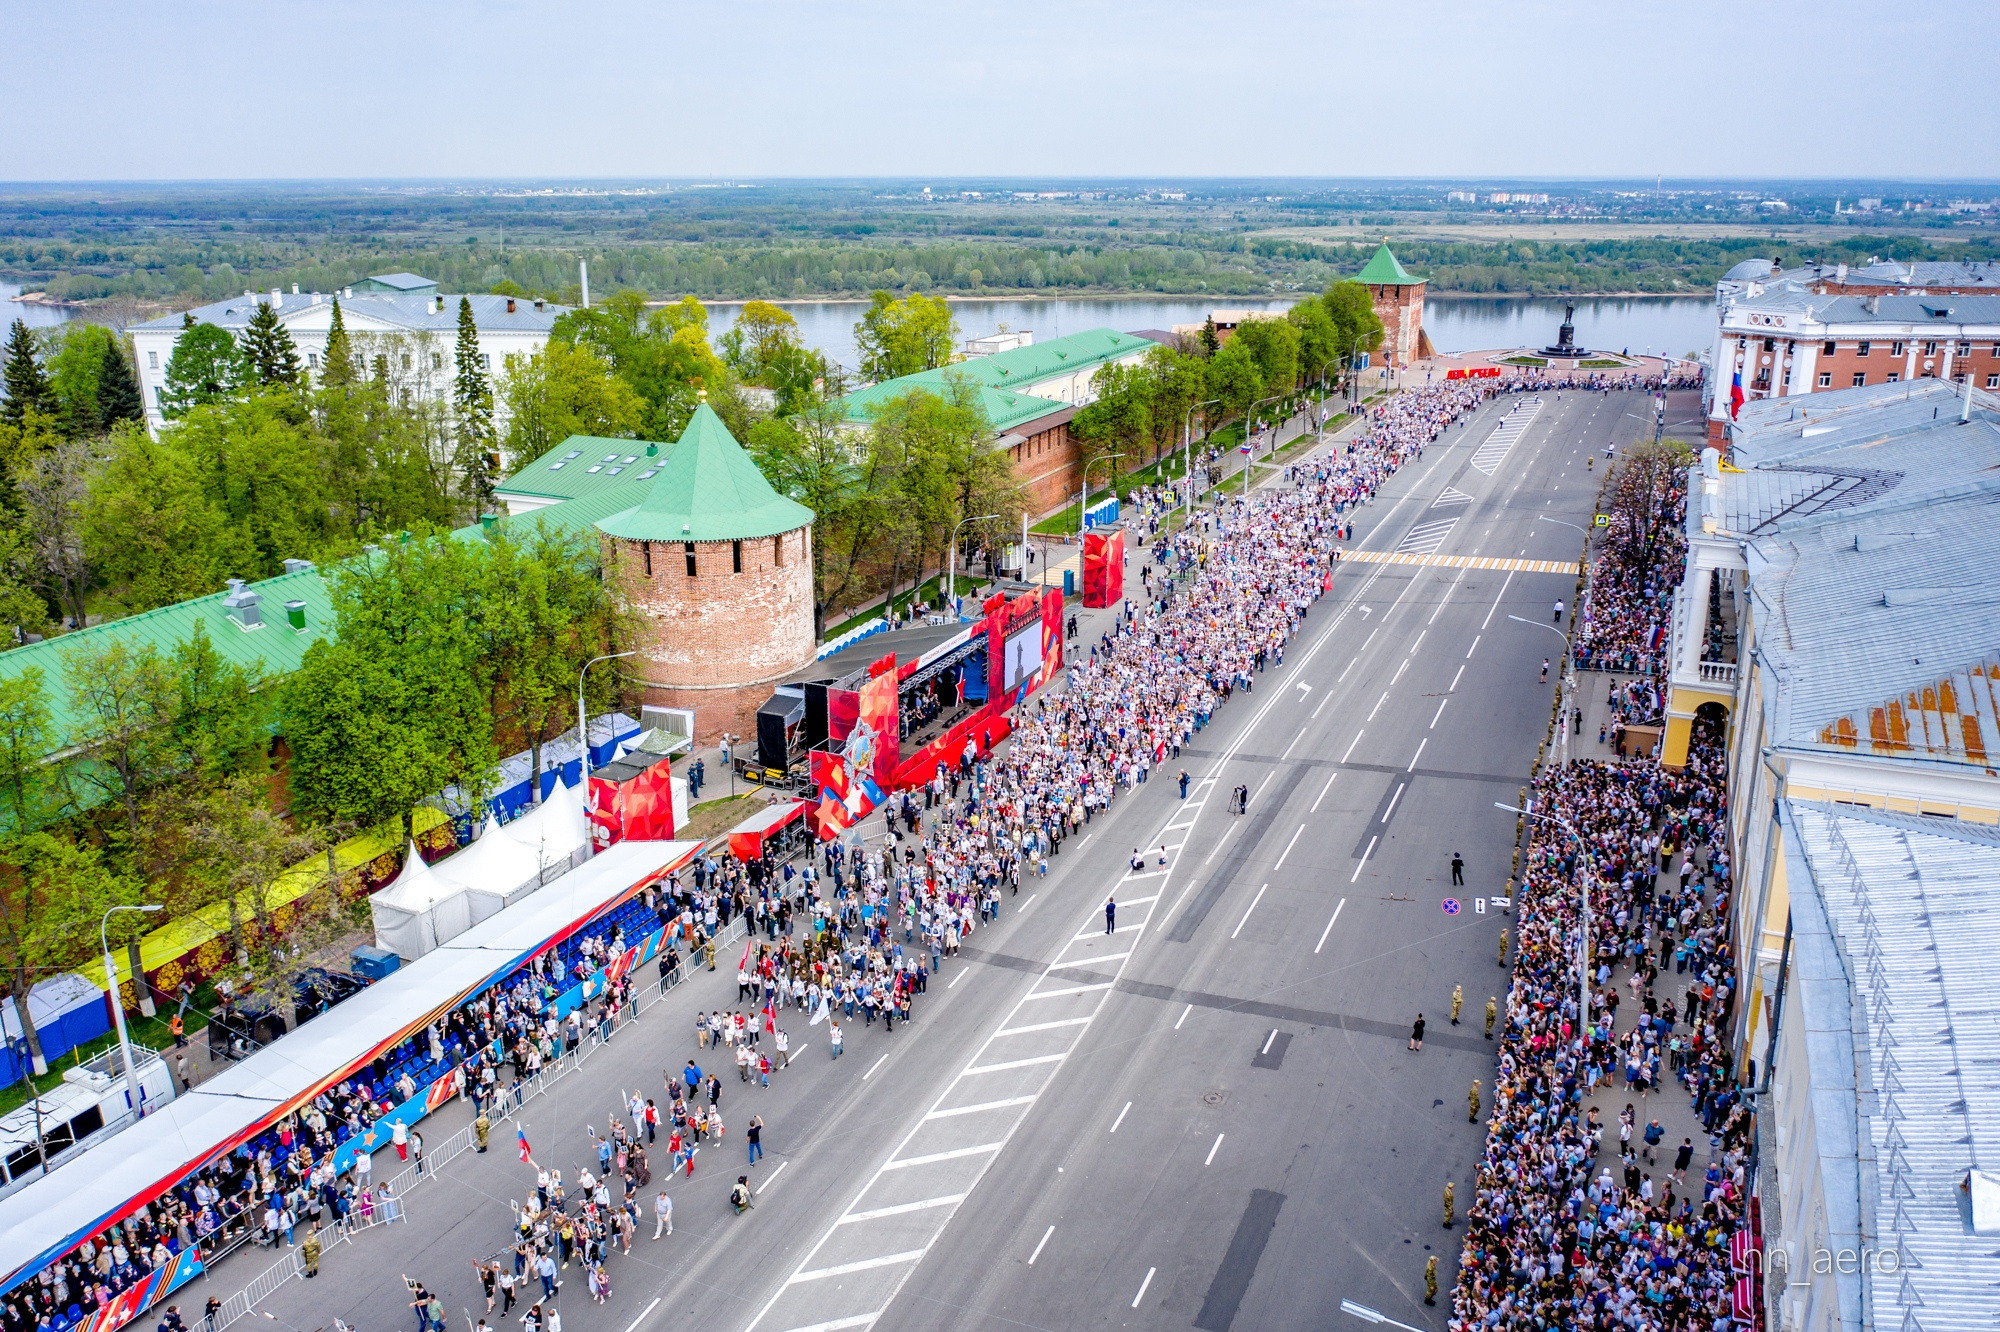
<point>33,315</point>
<point>1675,325</point>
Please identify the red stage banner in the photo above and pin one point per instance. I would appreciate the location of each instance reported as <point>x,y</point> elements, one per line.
<point>879,714</point>
<point>1103,568</point>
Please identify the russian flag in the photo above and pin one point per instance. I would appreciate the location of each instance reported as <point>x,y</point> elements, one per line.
<point>522,1134</point>
<point>1735,393</point>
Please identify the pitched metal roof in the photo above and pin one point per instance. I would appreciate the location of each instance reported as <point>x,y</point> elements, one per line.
<point>709,490</point>
<point>1386,269</point>
<point>1877,602</point>
<point>274,646</point>
<point>368,309</point>
<point>586,465</point>
<point>1897,997</point>
<point>1005,381</point>
<point>403,281</point>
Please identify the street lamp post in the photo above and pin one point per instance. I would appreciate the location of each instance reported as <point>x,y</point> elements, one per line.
<point>1250,454</point>
<point>1566,683</point>
<point>583,729</point>
<point>1320,376</point>
<point>951,584</point>
<point>1583,886</point>
<point>1187,447</point>
<point>1083,502</point>
<point>118,1004</point>
<point>1368,1315</point>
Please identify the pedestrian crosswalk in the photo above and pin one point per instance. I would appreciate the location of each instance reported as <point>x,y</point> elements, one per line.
<point>1459,561</point>
<point>1488,457</point>
<point>1425,538</point>
<point>1452,496</point>
<point>886,1229</point>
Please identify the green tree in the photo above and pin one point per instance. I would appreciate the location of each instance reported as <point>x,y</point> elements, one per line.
<point>240,849</point>
<point>74,369</point>
<point>52,894</point>
<point>22,611</point>
<point>54,487</point>
<point>1357,327</point>
<point>206,366</point>
<point>662,355</point>
<point>1119,417</point>
<point>119,397</point>
<point>262,468</point>
<point>1233,377</point>
<point>947,469</point>
<point>379,472</point>
<point>812,457</point>
<point>120,695</point>
<point>339,365</point>
<point>903,337</point>
<point>1319,338</point>
<point>563,390</point>
<point>478,457</point>
<point>27,383</point>
<point>1180,380</point>
<point>268,349</point>
<point>149,527</point>
<point>1274,345</point>
<point>762,335</point>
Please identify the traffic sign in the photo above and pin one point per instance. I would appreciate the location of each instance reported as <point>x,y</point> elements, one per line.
<point>1602,520</point>
<point>1450,905</point>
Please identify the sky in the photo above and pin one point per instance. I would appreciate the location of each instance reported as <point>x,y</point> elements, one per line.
<point>224,89</point>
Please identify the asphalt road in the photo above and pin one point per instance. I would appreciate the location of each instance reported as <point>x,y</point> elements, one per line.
<point>1209,1118</point>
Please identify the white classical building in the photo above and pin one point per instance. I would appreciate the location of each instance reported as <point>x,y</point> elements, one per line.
<point>399,321</point>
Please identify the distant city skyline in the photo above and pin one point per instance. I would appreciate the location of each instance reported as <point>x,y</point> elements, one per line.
<point>1089,89</point>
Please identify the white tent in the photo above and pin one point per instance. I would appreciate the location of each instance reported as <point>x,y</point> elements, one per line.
<point>420,910</point>
<point>557,831</point>
<point>496,871</point>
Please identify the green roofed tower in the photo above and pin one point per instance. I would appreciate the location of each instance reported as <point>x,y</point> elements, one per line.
<point>716,567</point>
<point>1398,297</point>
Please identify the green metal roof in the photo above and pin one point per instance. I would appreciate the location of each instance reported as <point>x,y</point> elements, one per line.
<point>274,645</point>
<point>708,490</point>
<point>1004,409</point>
<point>1005,380</point>
<point>586,465</point>
<point>1386,270</point>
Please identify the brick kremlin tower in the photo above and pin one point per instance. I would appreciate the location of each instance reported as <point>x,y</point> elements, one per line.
<point>1398,296</point>
<point>717,567</point>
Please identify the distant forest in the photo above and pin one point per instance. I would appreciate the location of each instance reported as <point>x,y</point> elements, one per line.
<point>171,246</point>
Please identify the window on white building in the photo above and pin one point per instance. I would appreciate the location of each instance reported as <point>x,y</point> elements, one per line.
<point>152,360</point>
<point>407,362</point>
<point>485,361</point>
<point>312,359</point>
<point>437,361</point>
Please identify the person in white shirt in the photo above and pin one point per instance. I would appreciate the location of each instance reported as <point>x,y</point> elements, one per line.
<point>663,1214</point>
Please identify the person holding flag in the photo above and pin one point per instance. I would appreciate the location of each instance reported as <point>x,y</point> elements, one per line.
<point>521,1132</point>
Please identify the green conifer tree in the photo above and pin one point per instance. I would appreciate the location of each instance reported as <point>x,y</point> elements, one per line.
<point>338,366</point>
<point>27,383</point>
<point>268,347</point>
<point>206,366</point>
<point>472,406</point>
<point>118,394</point>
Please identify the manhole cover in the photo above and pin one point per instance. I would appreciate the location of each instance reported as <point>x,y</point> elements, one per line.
<point>1214,1097</point>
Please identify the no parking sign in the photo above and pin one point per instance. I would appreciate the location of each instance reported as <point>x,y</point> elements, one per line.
<point>1450,905</point>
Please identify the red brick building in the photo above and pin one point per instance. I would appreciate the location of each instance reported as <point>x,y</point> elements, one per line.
<point>717,567</point>
<point>1399,304</point>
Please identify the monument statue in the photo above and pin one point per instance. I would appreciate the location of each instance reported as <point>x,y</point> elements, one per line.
<point>1565,344</point>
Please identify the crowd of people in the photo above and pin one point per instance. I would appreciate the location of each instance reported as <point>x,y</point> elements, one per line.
<point>1628,604</point>
<point>1567,1229</point>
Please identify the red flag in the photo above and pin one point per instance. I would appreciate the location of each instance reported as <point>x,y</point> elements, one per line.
<point>770,1019</point>
<point>744,965</point>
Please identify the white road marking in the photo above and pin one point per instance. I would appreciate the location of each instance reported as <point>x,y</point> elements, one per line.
<point>1378,705</point>
<point>1364,860</point>
<point>1324,699</point>
<point>1474,648</point>
<point>1025,905</point>
<point>1069,990</point>
<point>978,1108</point>
<point>1350,666</point>
<point>842,1269</point>
<point>1419,643</point>
<point>1042,1026</point>
<point>761,1187</point>
<point>956,979</point>
<point>1246,915</point>
<point>1322,792</point>
<point>1003,1066</point>
<point>1288,846</point>
<point>1183,1017</point>
<point>1329,925</point>
<point>1267,1042</point>
<point>642,1315</point>
<point>1399,673</point>
<point>1218,1143</point>
<point>877,1064</point>
<point>1357,740</point>
<point>1400,788</point>
<point>1440,713</point>
<point>1496,605</point>
<point>1038,1248</point>
<point>1218,844</point>
<point>1121,1117</point>
<point>1142,1286</point>
<point>932,1158</point>
<point>1455,679</point>
<point>900,1209</point>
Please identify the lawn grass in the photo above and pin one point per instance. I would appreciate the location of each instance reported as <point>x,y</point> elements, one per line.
<point>902,600</point>
<point>153,1032</point>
